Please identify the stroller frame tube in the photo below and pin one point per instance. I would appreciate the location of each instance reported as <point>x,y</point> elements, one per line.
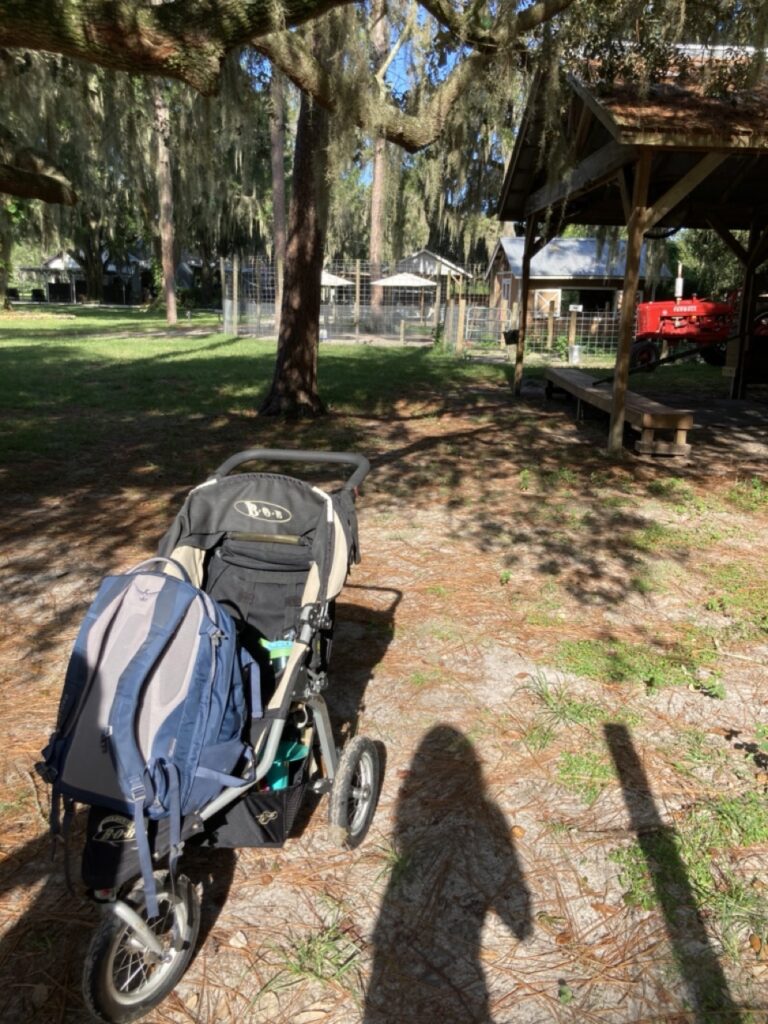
<point>360,463</point>
<point>327,749</point>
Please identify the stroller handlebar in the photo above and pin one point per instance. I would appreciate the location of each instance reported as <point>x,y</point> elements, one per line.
<point>361,464</point>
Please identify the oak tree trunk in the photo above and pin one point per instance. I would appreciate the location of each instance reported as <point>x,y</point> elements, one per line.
<point>6,248</point>
<point>165,198</point>
<point>380,45</point>
<point>294,390</point>
<point>277,139</point>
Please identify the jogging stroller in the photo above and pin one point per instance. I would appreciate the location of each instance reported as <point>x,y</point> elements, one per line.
<point>269,554</point>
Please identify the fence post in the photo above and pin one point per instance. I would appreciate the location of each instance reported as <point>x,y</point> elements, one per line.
<point>572,328</point>
<point>223,276</point>
<point>461,327</point>
<point>235,294</point>
<point>257,275</point>
<point>402,332</point>
<point>357,298</point>
<point>551,325</point>
<point>503,315</point>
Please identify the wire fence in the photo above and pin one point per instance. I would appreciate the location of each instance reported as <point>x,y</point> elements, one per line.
<point>391,303</point>
<point>399,301</point>
<point>478,329</point>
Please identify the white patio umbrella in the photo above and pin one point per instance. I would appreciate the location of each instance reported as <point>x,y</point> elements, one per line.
<point>404,280</point>
<point>329,280</point>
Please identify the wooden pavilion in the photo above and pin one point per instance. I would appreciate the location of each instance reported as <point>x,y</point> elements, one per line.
<point>669,158</point>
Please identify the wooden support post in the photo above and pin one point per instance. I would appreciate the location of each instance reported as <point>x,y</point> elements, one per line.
<point>635,230</point>
<point>572,328</point>
<point>530,234</point>
<point>758,240</point>
<point>461,327</point>
<point>550,326</point>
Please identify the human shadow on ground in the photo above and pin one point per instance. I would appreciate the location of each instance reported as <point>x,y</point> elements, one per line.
<point>696,960</point>
<point>455,862</point>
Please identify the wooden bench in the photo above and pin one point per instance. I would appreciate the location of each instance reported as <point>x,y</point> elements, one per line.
<point>644,414</point>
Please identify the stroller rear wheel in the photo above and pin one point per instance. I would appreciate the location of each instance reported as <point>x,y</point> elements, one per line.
<point>355,792</point>
<point>122,978</point>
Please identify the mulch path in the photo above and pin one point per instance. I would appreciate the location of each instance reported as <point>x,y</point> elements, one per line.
<point>487,890</point>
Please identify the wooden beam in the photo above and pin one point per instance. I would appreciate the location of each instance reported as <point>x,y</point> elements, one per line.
<point>530,236</point>
<point>758,247</point>
<point>601,166</point>
<point>635,230</point>
<point>725,235</point>
<point>590,101</point>
<point>621,177</point>
<point>682,188</point>
<point>759,251</point>
<point>582,128</point>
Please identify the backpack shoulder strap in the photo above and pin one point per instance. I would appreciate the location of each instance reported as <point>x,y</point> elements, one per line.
<point>173,602</point>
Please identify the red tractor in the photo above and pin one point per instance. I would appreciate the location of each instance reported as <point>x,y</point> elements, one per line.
<point>703,325</point>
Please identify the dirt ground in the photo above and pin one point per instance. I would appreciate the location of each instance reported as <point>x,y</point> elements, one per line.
<point>490,887</point>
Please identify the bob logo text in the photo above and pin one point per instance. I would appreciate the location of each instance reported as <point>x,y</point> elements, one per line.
<point>115,829</point>
<point>266,511</point>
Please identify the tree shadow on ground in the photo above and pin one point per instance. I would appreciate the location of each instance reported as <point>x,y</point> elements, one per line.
<point>43,953</point>
<point>696,960</point>
<point>455,862</point>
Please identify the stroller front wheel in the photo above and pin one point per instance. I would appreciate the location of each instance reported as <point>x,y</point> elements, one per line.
<point>355,792</point>
<point>123,979</point>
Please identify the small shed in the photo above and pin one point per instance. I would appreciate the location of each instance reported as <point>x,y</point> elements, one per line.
<point>591,271</point>
<point>429,264</point>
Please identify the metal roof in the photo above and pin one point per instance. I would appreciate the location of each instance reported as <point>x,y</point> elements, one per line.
<point>571,258</point>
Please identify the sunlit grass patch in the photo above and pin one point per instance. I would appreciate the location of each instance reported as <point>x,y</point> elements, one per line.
<point>749,495</point>
<point>560,708</point>
<point>585,774</point>
<point>618,661</point>
<point>539,736</point>
<point>656,537</point>
<point>742,595</point>
<point>699,846</point>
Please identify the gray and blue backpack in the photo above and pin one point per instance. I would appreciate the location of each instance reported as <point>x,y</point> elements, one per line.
<point>152,717</point>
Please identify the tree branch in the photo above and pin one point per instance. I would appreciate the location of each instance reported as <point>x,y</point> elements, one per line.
<point>410,21</point>
<point>31,175</point>
<point>185,40</point>
<point>16,181</point>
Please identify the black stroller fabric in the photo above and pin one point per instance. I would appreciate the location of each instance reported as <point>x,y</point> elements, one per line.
<point>259,819</point>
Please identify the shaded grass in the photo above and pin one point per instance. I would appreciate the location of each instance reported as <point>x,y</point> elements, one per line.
<point>63,377</point>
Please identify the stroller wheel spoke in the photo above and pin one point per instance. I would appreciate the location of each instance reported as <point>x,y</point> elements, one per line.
<point>355,791</point>
<point>122,978</point>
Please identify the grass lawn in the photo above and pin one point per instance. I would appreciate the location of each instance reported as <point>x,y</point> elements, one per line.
<point>564,653</point>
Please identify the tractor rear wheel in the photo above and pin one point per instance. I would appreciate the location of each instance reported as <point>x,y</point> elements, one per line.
<point>713,355</point>
<point>644,355</point>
